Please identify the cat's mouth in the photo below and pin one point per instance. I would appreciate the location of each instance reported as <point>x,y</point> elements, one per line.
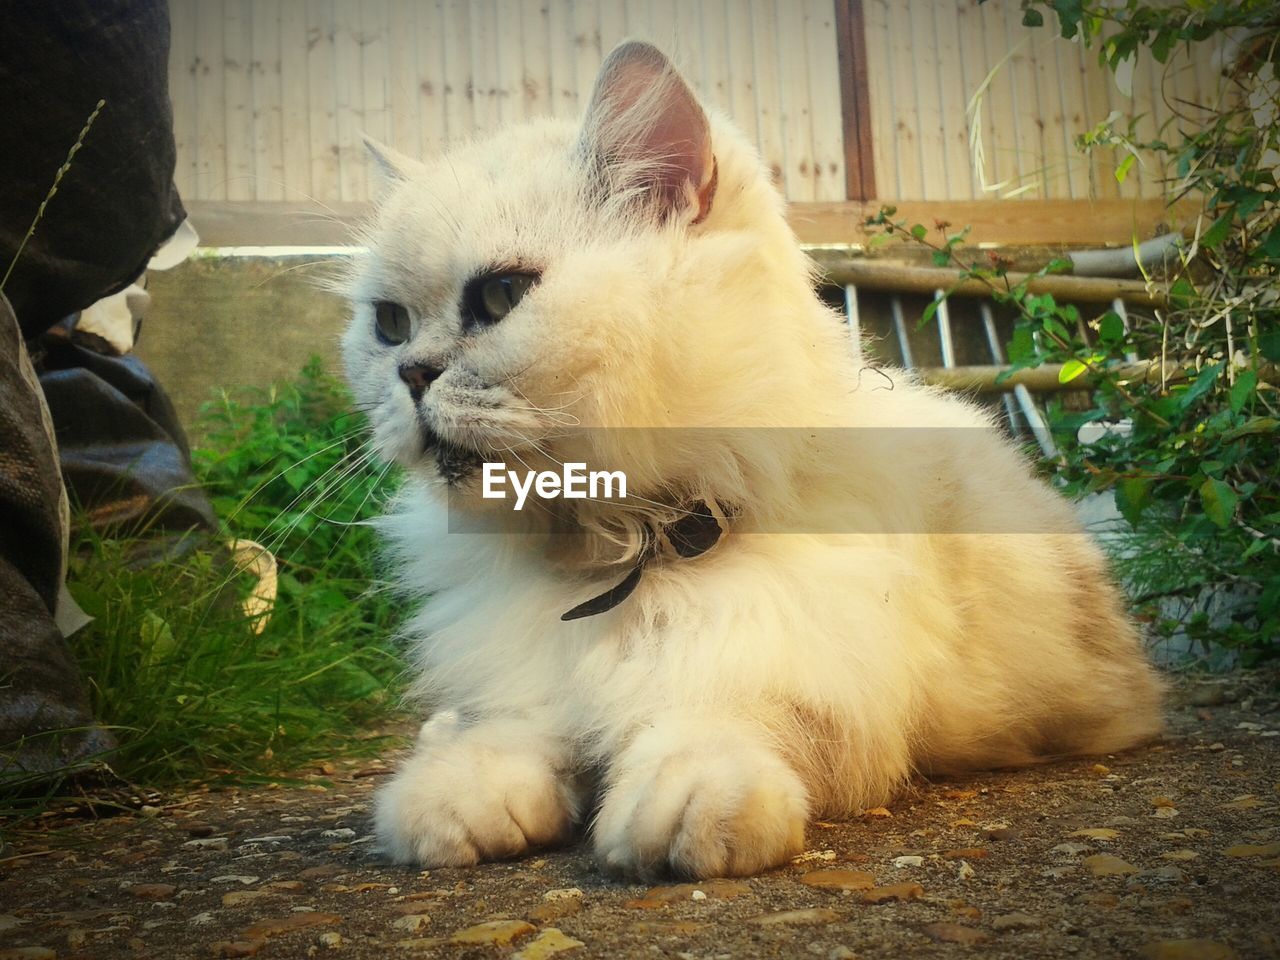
<point>455,462</point>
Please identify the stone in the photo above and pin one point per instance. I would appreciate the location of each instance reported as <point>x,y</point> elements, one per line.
<point>332,940</point>
<point>238,898</point>
<point>1253,850</point>
<point>412,922</point>
<point>1097,833</point>
<point>264,929</point>
<point>953,933</point>
<point>548,943</point>
<point>237,948</point>
<point>839,880</point>
<point>1106,865</point>
<point>1187,950</point>
<point>1004,833</point>
<point>966,853</point>
<point>1014,921</point>
<point>795,917</point>
<point>554,910</point>
<point>152,891</point>
<point>892,893</point>
<point>498,933</point>
<point>908,862</point>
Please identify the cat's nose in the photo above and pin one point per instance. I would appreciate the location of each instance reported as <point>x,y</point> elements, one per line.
<point>419,376</point>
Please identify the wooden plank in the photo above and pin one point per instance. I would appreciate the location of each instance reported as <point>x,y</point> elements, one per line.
<point>664,32</point>
<point>1074,223</point>
<point>638,17</point>
<point>484,79</point>
<point>295,115</point>
<point>930,122</point>
<point>793,87</point>
<point>349,86</point>
<point>375,74</point>
<point>688,48</point>
<point>322,102</point>
<point>613,24</point>
<point>973,72</point>
<point>563,95</point>
<point>211,138</point>
<point>507,54</point>
<point>1022,116</point>
<point>742,90</point>
<point>237,45</point>
<point>910,133</point>
<point>1010,223</point>
<point>182,90</point>
<point>535,41</point>
<point>268,96</point>
<point>1002,170</point>
<point>1055,153</point>
<point>429,67</point>
<point>1098,90</point>
<point>825,93</point>
<point>769,134</point>
<point>882,119</point>
<point>459,91</point>
<point>587,47</point>
<point>405,45</point>
<point>713,35</point>
<point>952,100</point>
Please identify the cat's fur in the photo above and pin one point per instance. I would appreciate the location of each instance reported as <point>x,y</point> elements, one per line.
<point>781,676</point>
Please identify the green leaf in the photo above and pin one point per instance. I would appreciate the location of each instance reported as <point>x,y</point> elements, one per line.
<point>1070,370</point>
<point>1253,425</point>
<point>1022,346</point>
<point>1070,13</point>
<point>1243,389</point>
<point>929,311</point>
<point>941,258</point>
<point>919,231</point>
<point>1270,247</point>
<point>1032,18</point>
<point>1111,327</point>
<point>1218,232</point>
<point>1219,501</point>
<point>1269,345</point>
<point>1133,494</point>
<point>1202,384</point>
<point>1125,166</point>
<point>1163,44</point>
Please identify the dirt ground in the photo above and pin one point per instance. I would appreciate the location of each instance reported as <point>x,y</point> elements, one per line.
<point>1171,851</point>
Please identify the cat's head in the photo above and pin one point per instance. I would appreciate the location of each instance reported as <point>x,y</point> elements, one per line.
<point>556,276</point>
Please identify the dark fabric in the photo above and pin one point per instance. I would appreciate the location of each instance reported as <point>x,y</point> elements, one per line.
<point>44,715</point>
<point>124,455</point>
<point>117,202</point>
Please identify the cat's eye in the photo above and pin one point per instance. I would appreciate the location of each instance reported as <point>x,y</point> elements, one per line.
<point>392,322</point>
<point>488,298</point>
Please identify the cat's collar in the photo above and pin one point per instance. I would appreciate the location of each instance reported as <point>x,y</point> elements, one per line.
<point>701,528</point>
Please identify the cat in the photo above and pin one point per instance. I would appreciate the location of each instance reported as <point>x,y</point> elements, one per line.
<point>626,292</point>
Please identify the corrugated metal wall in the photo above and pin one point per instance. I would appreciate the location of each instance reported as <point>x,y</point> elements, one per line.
<point>270,96</point>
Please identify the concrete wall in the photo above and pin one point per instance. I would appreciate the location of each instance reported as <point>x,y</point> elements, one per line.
<point>229,321</point>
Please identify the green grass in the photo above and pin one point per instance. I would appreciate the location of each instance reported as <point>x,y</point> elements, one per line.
<point>176,668</point>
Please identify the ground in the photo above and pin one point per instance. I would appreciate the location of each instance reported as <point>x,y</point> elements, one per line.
<point>1170,851</point>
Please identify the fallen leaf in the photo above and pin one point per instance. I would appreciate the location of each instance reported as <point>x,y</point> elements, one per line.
<point>1004,833</point>
<point>1106,865</point>
<point>795,917</point>
<point>960,794</point>
<point>237,948</point>
<point>1097,833</point>
<point>288,886</point>
<point>549,943</point>
<point>967,911</point>
<point>1187,950</point>
<point>1100,769</point>
<point>499,933</point>
<point>1179,855</point>
<point>238,898</point>
<point>877,812</point>
<point>1014,921</point>
<point>1162,802</point>
<point>953,933</point>
<point>412,922</point>
<point>893,892</point>
<point>839,880</point>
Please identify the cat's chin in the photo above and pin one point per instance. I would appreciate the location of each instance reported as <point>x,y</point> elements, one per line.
<point>455,463</point>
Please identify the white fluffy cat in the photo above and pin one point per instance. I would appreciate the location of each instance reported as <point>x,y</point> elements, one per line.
<point>527,297</point>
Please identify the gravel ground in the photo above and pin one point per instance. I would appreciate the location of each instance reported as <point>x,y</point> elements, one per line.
<point>1171,851</point>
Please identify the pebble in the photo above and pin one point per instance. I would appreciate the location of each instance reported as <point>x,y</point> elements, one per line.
<point>234,878</point>
<point>548,943</point>
<point>333,940</point>
<point>1097,833</point>
<point>795,917</point>
<point>563,893</point>
<point>208,843</point>
<point>713,889</point>
<point>1004,833</point>
<point>1070,849</point>
<point>412,922</point>
<point>341,833</point>
<point>965,872</point>
<point>238,898</point>
<point>908,861</point>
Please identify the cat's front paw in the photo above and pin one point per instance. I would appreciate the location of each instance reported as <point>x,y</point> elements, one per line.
<point>725,807</point>
<point>463,802</point>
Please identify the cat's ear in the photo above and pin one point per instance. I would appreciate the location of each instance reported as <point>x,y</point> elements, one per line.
<point>392,166</point>
<point>647,134</point>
